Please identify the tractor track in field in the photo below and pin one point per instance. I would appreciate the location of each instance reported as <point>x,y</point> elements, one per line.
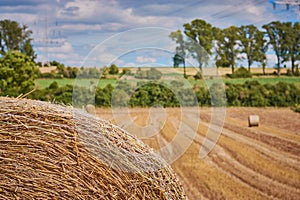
<point>258,162</point>
<point>281,189</point>
<point>267,151</point>
<point>193,192</point>
<point>264,149</point>
<point>267,154</point>
<point>279,143</point>
<point>279,119</point>
<point>219,151</point>
<point>272,140</point>
<point>264,130</point>
<point>289,149</point>
<point>226,163</point>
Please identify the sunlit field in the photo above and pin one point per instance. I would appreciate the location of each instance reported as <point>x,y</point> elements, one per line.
<point>247,163</point>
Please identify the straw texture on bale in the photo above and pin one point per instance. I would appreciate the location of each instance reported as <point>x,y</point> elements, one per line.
<point>50,151</point>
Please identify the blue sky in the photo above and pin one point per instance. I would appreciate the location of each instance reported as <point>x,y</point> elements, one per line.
<point>79,31</point>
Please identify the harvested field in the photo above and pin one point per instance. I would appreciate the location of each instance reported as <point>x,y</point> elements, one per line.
<point>247,163</point>
<point>47,69</point>
<point>54,152</point>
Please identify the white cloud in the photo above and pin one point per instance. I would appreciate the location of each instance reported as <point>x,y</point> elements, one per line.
<point>91,22</point>
<point>106,58</point>
<point>114,26</point>
<point>144,59</point>
<point>237,12</point>
<point>112,16</point>
<point>60,53</point>
<point>99,10</point>
<point>80,27</point>
<point>271,60</point>
<point>160,9</point>
<point>130,64</point>
<point>65,48</point>
<point>119,62</point>
<point>79,9</point>
<point>23,18</point>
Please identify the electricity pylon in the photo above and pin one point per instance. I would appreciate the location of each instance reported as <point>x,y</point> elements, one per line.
<point>288,3</point>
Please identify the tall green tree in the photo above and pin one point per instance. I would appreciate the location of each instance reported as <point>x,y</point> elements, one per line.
<point>228,42</point>
<point>17,74</point>
<point>252,43</point>
<point>221,60</point>
<point>14,37</point>
<point>275,32</point>
<point>291,43</point>
<point>113,69</point>
<point>201,33</point>
<point>180,52</point>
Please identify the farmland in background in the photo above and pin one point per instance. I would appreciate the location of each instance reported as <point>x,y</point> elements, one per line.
<point>247,163</point>
<point>177,72</point>
<point>45,82</point>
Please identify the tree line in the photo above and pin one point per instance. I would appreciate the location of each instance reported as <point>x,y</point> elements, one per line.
<point>155,93</point>
<point>200,40</point>
<point>15,37</point>
<point>18,72</point>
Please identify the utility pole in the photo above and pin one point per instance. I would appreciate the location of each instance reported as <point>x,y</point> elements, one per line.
<point>46,38</point>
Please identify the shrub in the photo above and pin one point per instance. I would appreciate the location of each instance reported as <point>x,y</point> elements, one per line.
<point>296,108</point>
<point>203,97</point>
<point>126,71</point>
<point>17,74</point>
<point>198,75</point>
<point>289,72</point>
<point>177,84</point>
<point>240,73</point>
<point>218,96</point>
<point>47,75</point>
<point>153,94</point>
<point>222,62</point>
<point>152,74</point>
<point>113,69</point>
<point>297,73</point>
<point>140,74</point>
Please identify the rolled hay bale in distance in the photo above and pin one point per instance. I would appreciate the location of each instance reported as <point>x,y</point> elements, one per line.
<point>90,109</point>
<point>48,151</point>
<point>253,120</point>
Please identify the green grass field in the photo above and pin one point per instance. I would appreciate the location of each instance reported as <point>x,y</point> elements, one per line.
<point>43,83</point>
<point>265,80</point>
<point>269,80</point>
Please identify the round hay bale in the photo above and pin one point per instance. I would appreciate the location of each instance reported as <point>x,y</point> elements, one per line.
<point>90,109</point>
<point>253,120</point>
<point>49,151</point>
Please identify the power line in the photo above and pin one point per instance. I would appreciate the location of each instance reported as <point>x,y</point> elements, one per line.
<point>48,38</point>
<point>288,3</point>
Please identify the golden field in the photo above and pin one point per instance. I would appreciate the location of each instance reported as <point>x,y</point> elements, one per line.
<point>247,163</point>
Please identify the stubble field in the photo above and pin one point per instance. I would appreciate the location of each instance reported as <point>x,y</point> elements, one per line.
<point>247,163</point>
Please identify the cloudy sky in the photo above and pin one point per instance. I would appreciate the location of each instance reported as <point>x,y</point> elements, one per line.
<point>127,32</point>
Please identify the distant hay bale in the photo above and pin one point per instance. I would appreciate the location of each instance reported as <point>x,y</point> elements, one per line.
<point>49,151</point>
<point>253,120</point>
<point>90,109</point>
